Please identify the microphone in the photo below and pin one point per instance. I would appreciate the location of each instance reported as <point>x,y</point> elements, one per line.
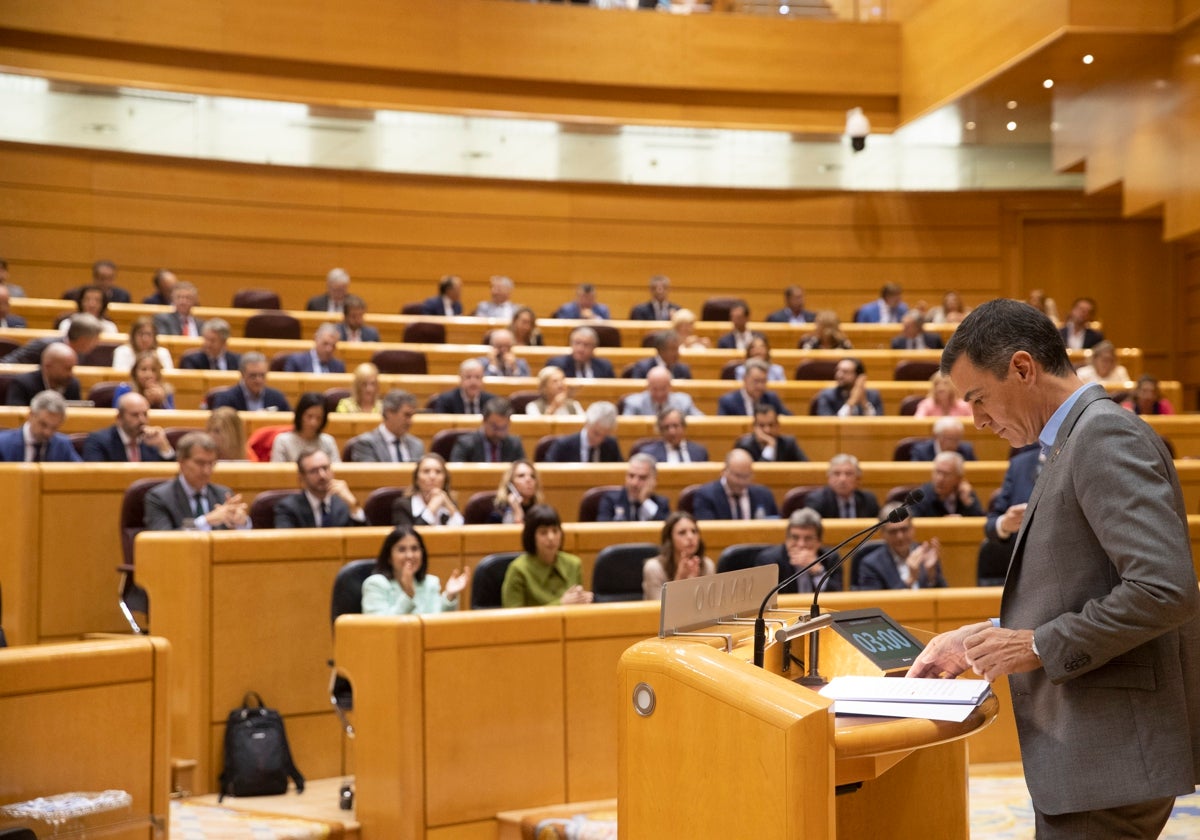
<point>760,624</point>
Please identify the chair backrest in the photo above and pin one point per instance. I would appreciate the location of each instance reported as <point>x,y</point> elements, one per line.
<point>262,509</point>
<point>606,335</point>
<point>816,369</point>
<point>99,356</point>
<point>333,396</point>
<point>642,444</point>
<point>417,308</point>
<point>488,579</point>
<point>991,566</point>
<point>378,506</point>
<point>903,450</point>
<point>627,372</point>
<point>272,325</point>
<point>478,509</point>
<point>7,346</point>
<point>444,439</point>
<point>542,449</point>
<point>400,361</point>
<point>589,505</point>
<point>739,556</point>
<point>279,361</point>
<point>256,299</point>
<point>897,494</point>
<point>794,499</point>
<point>729,369</point>
<point>520,399</point>
<point>914,370</point>
<point>908,405</point>
<point>814,405</point>
<point>855,566</point>
<point>4,643</point>
<point>424,332</point>
<point>347,588</point>
<point>5,378</point>
<point>175,434</point>
<point>260,441</point>
<point>686,496</point>
<point>133,513</point>
<point>717,308</point>
<point>101,394</point>
<point>617,575</point>
<point>77,440</point>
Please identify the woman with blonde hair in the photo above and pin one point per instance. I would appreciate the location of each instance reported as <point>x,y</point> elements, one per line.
<point>365,396</point>
<point>942,400</point>
<point>520,489</point>
<point>227,429</point>
<point>145,378</point>
<point>143,337</point>
<point>683,321</point>
<point>554,395</point>
<point>827,333</point>
<point>429,500</point>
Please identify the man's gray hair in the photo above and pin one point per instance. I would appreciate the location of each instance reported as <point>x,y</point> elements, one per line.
<point>602,414</point>
<point>645,458</point>
<point>50,402</point>
<point>252,358</point>
<point>806,517</point>
<point>84,325</point>
<point>947,424</point>
<point>218,325</point>
<point>396,399</point>
<point>844,458</point>
<point>326,329</point>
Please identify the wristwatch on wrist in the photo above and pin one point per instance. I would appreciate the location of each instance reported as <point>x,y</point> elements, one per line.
<point>1033,647</point>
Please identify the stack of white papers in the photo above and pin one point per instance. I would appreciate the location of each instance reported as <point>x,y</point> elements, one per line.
<point>931,699</point>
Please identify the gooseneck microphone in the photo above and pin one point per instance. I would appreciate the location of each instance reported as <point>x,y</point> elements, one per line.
<point>760,624</point>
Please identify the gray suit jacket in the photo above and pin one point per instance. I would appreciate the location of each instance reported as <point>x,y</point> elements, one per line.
<point>370,447</point>
<point>640,405</point>
<point>1102,572</point>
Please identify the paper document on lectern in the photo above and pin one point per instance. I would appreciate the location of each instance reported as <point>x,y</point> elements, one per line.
<point>932,699</point>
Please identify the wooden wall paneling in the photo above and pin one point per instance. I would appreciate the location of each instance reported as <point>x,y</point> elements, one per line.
<point>20,550</point>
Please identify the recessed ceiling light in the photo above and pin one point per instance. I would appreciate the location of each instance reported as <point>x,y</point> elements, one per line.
<point>1049,83</point>
<point>1012,126</point>
<point>1054,126</point>
<point>783,10</point>
<point>1088,59</point>
<point>970,126</point>
<point>1011,105</point>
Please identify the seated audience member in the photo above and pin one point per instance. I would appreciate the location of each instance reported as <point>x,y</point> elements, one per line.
<point>949,493</point>
<point>252,392</point>
<point>793,311</point>
<point>901,563</point>
<point>104,275</point>
<point>584,306</point>
<point>323,501</point>
<point>501,305</point>
<point>448,300</point>
<point>500,360</point>
<point>308,432</point>
<point>544,574</point>
<point>799,551</point>
<point>942,400</point>
<point>491,444</point>
<point>672,446</point>
<point>180,321</point>
<point>55,373</point>
<point>320,358</point>
<point>658,397</point>
<point>951,311</point>
<point>760,348</point>
<point>145,378</point>
<point>401,584</point>
<point>5,282</point>
<point>659,307</point>
<point>1046,305</point>
<point>429,500</point>
<point>681,556</point>
<point>227,430</point>
<point>827,333</point>
<point>337,287</point>
<point>164,281</point>
<point>554,397</point>
<point>1007,508</point>
<point>841,497</point>
<point>666,346</point>
<point>38,438</point>
<point>594,443</point>
<point>213,353</point>
<point>582,362</point>
<point>131,438</point>
<point>913,335</point>
<point>91,301</point>
<point>390,442</point>
<point>143,338</point>
<point>7,319</point>
<point>887,309</point>
<point>353,327</point>
<point>766,443</point>
<point>191,501</point>
<point>947,437</point>
<point>1147,398</point>
<point>735,495</point>
<point>364,397</point>
<point>683,323</point>
<point>636,501</point>
<point>1076,333</point>
<point>743,401</point>
<point>1103,367</point>
<point>525,329</point>
<point>850,397</point>
<point>740,334</point>
<point>520,489</point>
<point>469,397</point>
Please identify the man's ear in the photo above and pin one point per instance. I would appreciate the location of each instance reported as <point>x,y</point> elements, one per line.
<point>1022,366</point>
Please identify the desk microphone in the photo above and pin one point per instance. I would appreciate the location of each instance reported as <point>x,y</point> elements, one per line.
<point>813,677</point>
<point>760,624</point>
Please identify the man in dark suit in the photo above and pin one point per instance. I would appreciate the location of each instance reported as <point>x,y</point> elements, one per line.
<point>672,446</point>
<point>213,353</point>
<point>658,308</point>
<point>469,397</point>
<point>352,328</point>
<point>252,393</point>
<point>448,300</point>
<point>744,401</point>
<point>320,358</point>
<point>1005,514</point>
<point>793,311</point>
<point>841,497</point>
<point>337,283</point>
<point>1075,332</point>
<point>83,334</point>
<point>735,495</point>
<point>104,275</point>
<point>390,442</point>
<point>949,493</point>
<point>850,397</point>
<point>913,336</point>
<point>765,442</point>
<point>191,502</point>
<point>594,443</point>
<point>636,501</point>
<point>947,437</point>
<point>131,438</point>
<point>38,438</point>
<point>900,563</point>
<point>582,362</point>
<point>492,444</point>
<point>888,308</point>
<point>7,319</point>
<point>56,373</point>
<point>800,549</point>
<point>164,280</point>
<point>739,335</point>
<point>584,305</point>
<point>666,345</point>
<point>323,501</point>
<point>180,321</point>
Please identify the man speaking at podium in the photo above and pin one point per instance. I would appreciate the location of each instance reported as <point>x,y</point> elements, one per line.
<point>1099,629</point>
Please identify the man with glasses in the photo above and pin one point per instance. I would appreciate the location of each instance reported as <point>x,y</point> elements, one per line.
<point>901,563</point>
<point>323,501</point>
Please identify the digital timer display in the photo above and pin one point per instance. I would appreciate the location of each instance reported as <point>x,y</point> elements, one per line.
<point>879,638</point>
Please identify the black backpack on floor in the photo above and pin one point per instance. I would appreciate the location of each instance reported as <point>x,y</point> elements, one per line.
<point>258,761</point>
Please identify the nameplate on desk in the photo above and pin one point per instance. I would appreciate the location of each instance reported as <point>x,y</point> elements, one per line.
<point>703,601</point>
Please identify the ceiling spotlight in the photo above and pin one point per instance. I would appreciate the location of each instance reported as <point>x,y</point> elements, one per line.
<point>1011,105</point>
<point>857,128</point>
<point>970,126</point>
<point>1012,126</point>
<point>1088,59</point>
<point>783,10</point>
<point>1049,83</point>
